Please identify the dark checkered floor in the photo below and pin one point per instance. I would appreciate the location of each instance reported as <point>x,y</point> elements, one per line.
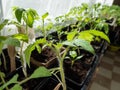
<point>108,73</point>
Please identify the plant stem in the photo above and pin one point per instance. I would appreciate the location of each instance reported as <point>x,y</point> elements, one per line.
<point>25,80</point>
<point>43,27</point>
<point>62,74</point>
<point>4,61</point>
<point>21,57</point>
<point>4,82</point>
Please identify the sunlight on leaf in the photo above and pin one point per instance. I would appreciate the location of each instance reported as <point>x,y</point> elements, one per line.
<point>45,15</point>
<point>22,37</point>
<point>71,35</point>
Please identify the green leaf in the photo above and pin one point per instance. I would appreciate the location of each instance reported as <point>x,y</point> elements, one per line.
<point>12,41</point>
<point>41,72</point>
<point>11,81</point>
<point>86,36</point>
<point>30,19</point>
<point>38,48</point>
<point>73,54</point>
<point>91,33</point>
<point>57,46</point>
<point>2,38</point>
<point>31,47</point>
<point>16,87</point>
<point>33,13</point>
<point>71,35</point>
<point>99,34</point>
<point>3,24</point>
<point>45,15</point>
<point>79,57</point>
<point>28,52</point>
<point>84,45</point>
<point>68,43</point>
<point>22,37</point>
<point>41,41</point>
<point>18,14</point>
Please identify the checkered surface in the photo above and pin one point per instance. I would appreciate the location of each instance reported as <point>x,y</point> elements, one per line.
<point>108,73</point>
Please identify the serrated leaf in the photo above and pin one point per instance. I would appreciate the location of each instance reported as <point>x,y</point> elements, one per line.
<point>95,33</point>
<point>84,45</point>
<point>71,35</point>
<point>41,41</point>
<point>18,14</point>
<point>22,37</point>
<point>41,72</point>
<point>16,87</point>
<point>100,34</point>
<point>45,15</point>
<point>86,36</point>
<point>11,81</point>
<point>12,41</point>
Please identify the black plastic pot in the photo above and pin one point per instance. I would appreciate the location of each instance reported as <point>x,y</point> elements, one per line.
<point>114,35</point>
<point>75,85</point>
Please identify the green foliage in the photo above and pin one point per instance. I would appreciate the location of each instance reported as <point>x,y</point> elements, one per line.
<point>28,16</point>
<point>45,15</point>
<point>32,47</point>
<point>92,34</point>
<point>12,80</point>
<point>40,72</point>
<point>12,41</point>
<point>16,87</point>
<point>19,13</point>
<point>3,23</point>
<point>2,38</point>
<point>111,13</point>
<point>73,54</point>
<point>71,35</point>
<point>21,37</point>
<point>73,57</point>
<point>83,44</point>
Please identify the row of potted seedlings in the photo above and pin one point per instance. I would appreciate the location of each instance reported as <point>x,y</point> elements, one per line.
<point>64,54</point>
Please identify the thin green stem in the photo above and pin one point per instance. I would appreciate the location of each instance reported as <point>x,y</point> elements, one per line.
<point>4,82</point>
<point>43,28</point>
<point>21,57</point>
<point>25,80</point>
